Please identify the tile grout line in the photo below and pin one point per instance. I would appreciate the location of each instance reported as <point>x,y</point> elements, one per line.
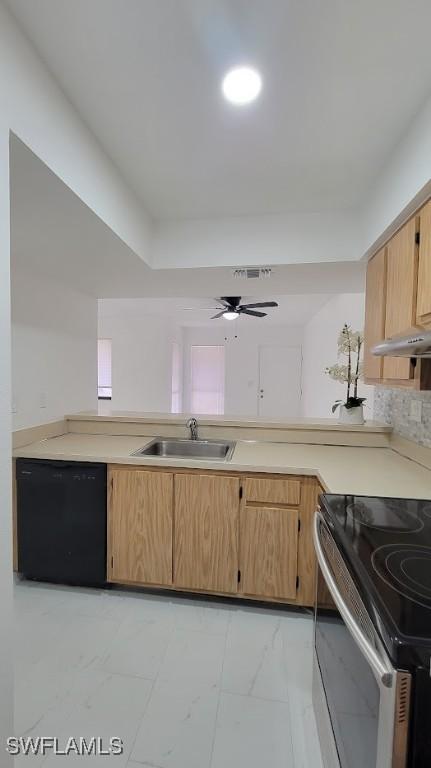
<point>285,650</point>
<point>151,692</point>
<point>210,762</point>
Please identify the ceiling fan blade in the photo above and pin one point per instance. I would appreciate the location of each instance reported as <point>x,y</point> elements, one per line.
<point>230,301</point>
<point>224,302</point>
<point>198,309</point>
<point>219,315</point>
<point>250,312</point>
<point>260,304</point>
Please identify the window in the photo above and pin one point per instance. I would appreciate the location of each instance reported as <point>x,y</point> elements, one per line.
<point>176,379</point>
<point>207,380</point>
<point>104,369</point>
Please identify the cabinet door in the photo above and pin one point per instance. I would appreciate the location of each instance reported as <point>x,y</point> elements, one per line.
<point>269,551</point>
<point>375,308</point>
<point>424,274</point>
<point>401,291</point>
<point>206,532</point>
<point>140,525</point>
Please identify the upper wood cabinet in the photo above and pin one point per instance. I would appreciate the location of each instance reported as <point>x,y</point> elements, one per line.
<point>206,532</point>
<point>140,526</point>
<point>375,311</point>
<point>269,551</point>
<point>424,268</point>
<point>401,293</point>
<point>391,303</point>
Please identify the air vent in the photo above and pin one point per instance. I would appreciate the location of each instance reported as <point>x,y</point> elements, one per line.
<point>252,273</point>
<point>403,699</point>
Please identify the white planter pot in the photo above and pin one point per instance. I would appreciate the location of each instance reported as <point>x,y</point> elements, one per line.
<point>351,415</point>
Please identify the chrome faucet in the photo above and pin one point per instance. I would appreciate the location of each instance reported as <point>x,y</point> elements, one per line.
<point>193,427</point>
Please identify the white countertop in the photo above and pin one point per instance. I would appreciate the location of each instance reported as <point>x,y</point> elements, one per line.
<point>350,470</point>
<point>231,421</point>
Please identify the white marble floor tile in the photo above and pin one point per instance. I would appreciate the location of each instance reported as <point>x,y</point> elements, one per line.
<point>138,648</point>
<point>35,635</point>
<point>299,669</point>
<point>306,747</point>
<point>186,683</point>
<point>114,708</point>
<point>36,597</point>
<point>254,662</point>
<point>83,642</point>
<point>297,629</point>
<point>178,726</point>
<point>252,733</point>
<point>193,656</point>
<point>200,617</point>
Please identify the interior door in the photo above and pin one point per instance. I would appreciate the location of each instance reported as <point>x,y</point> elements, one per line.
<point>279,392</point>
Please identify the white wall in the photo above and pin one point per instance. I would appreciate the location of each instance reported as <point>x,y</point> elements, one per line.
<point>36,110</point>
<point>141,356</point>
<point>54,358</point>
<point>241,359</point>
<point>320,351</point>
<point>278,239</point>
<point>401,181</point>
<point>6,659</point>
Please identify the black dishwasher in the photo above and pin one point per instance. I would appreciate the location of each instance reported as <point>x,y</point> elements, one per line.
<point>61,521</point>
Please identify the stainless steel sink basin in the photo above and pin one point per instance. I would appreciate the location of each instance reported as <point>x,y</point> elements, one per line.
<point>171,448</point>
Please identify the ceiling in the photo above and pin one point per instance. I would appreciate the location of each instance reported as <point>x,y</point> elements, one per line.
<point>190,312</point>
<point>54,233</point>
<point>342,82</point>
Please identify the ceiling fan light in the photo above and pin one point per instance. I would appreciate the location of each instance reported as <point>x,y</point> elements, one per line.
<point>230,314</point>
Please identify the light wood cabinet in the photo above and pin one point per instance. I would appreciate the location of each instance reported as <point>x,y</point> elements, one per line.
<point>269,551</point>
<point>213,532</point>
<point>268,491</point>
<point>401,294</point>
<point>424,268</point>
<point>206,532</point>
<point>375,311</point>
<point>140,526</point>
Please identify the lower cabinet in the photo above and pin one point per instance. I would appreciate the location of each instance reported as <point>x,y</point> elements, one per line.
<point>206,532</point>
<point>269,552</point>
<point>140,523</point>
<point>213,532</point>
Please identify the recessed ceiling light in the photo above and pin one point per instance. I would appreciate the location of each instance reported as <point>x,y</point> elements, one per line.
<point>242,85</point>
<point>230,315</point>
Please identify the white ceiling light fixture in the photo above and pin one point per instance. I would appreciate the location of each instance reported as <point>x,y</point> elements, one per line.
<point>230,315</point>
<point>242,85</point>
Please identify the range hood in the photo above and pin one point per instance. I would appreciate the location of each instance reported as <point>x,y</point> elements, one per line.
<point>417,345</point>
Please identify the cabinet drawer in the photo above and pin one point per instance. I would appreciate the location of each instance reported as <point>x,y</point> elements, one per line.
<point>273,491</point>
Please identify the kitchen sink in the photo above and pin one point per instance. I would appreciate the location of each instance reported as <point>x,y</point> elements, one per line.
<point>179,448</point>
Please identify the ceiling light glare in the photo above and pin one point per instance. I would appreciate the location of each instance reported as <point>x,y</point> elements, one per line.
<point>242,85</point>
<point>230,315</point>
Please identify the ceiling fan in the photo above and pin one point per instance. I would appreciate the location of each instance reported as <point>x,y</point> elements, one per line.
<point>232,308</point>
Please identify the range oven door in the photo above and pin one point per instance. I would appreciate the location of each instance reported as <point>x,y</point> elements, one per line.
<point>367,699</point>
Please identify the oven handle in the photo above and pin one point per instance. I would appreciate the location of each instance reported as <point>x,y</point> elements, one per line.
<point>382,669</point>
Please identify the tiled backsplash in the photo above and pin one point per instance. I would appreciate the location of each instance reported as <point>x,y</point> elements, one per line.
<point>393,406</point>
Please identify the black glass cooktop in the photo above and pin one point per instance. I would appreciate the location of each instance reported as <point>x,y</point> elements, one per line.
<point>387,544</point>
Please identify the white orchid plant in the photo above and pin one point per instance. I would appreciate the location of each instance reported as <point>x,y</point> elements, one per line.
<point>350,345</point>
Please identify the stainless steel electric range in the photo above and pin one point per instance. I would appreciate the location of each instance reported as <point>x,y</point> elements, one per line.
<point>372,683</point>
